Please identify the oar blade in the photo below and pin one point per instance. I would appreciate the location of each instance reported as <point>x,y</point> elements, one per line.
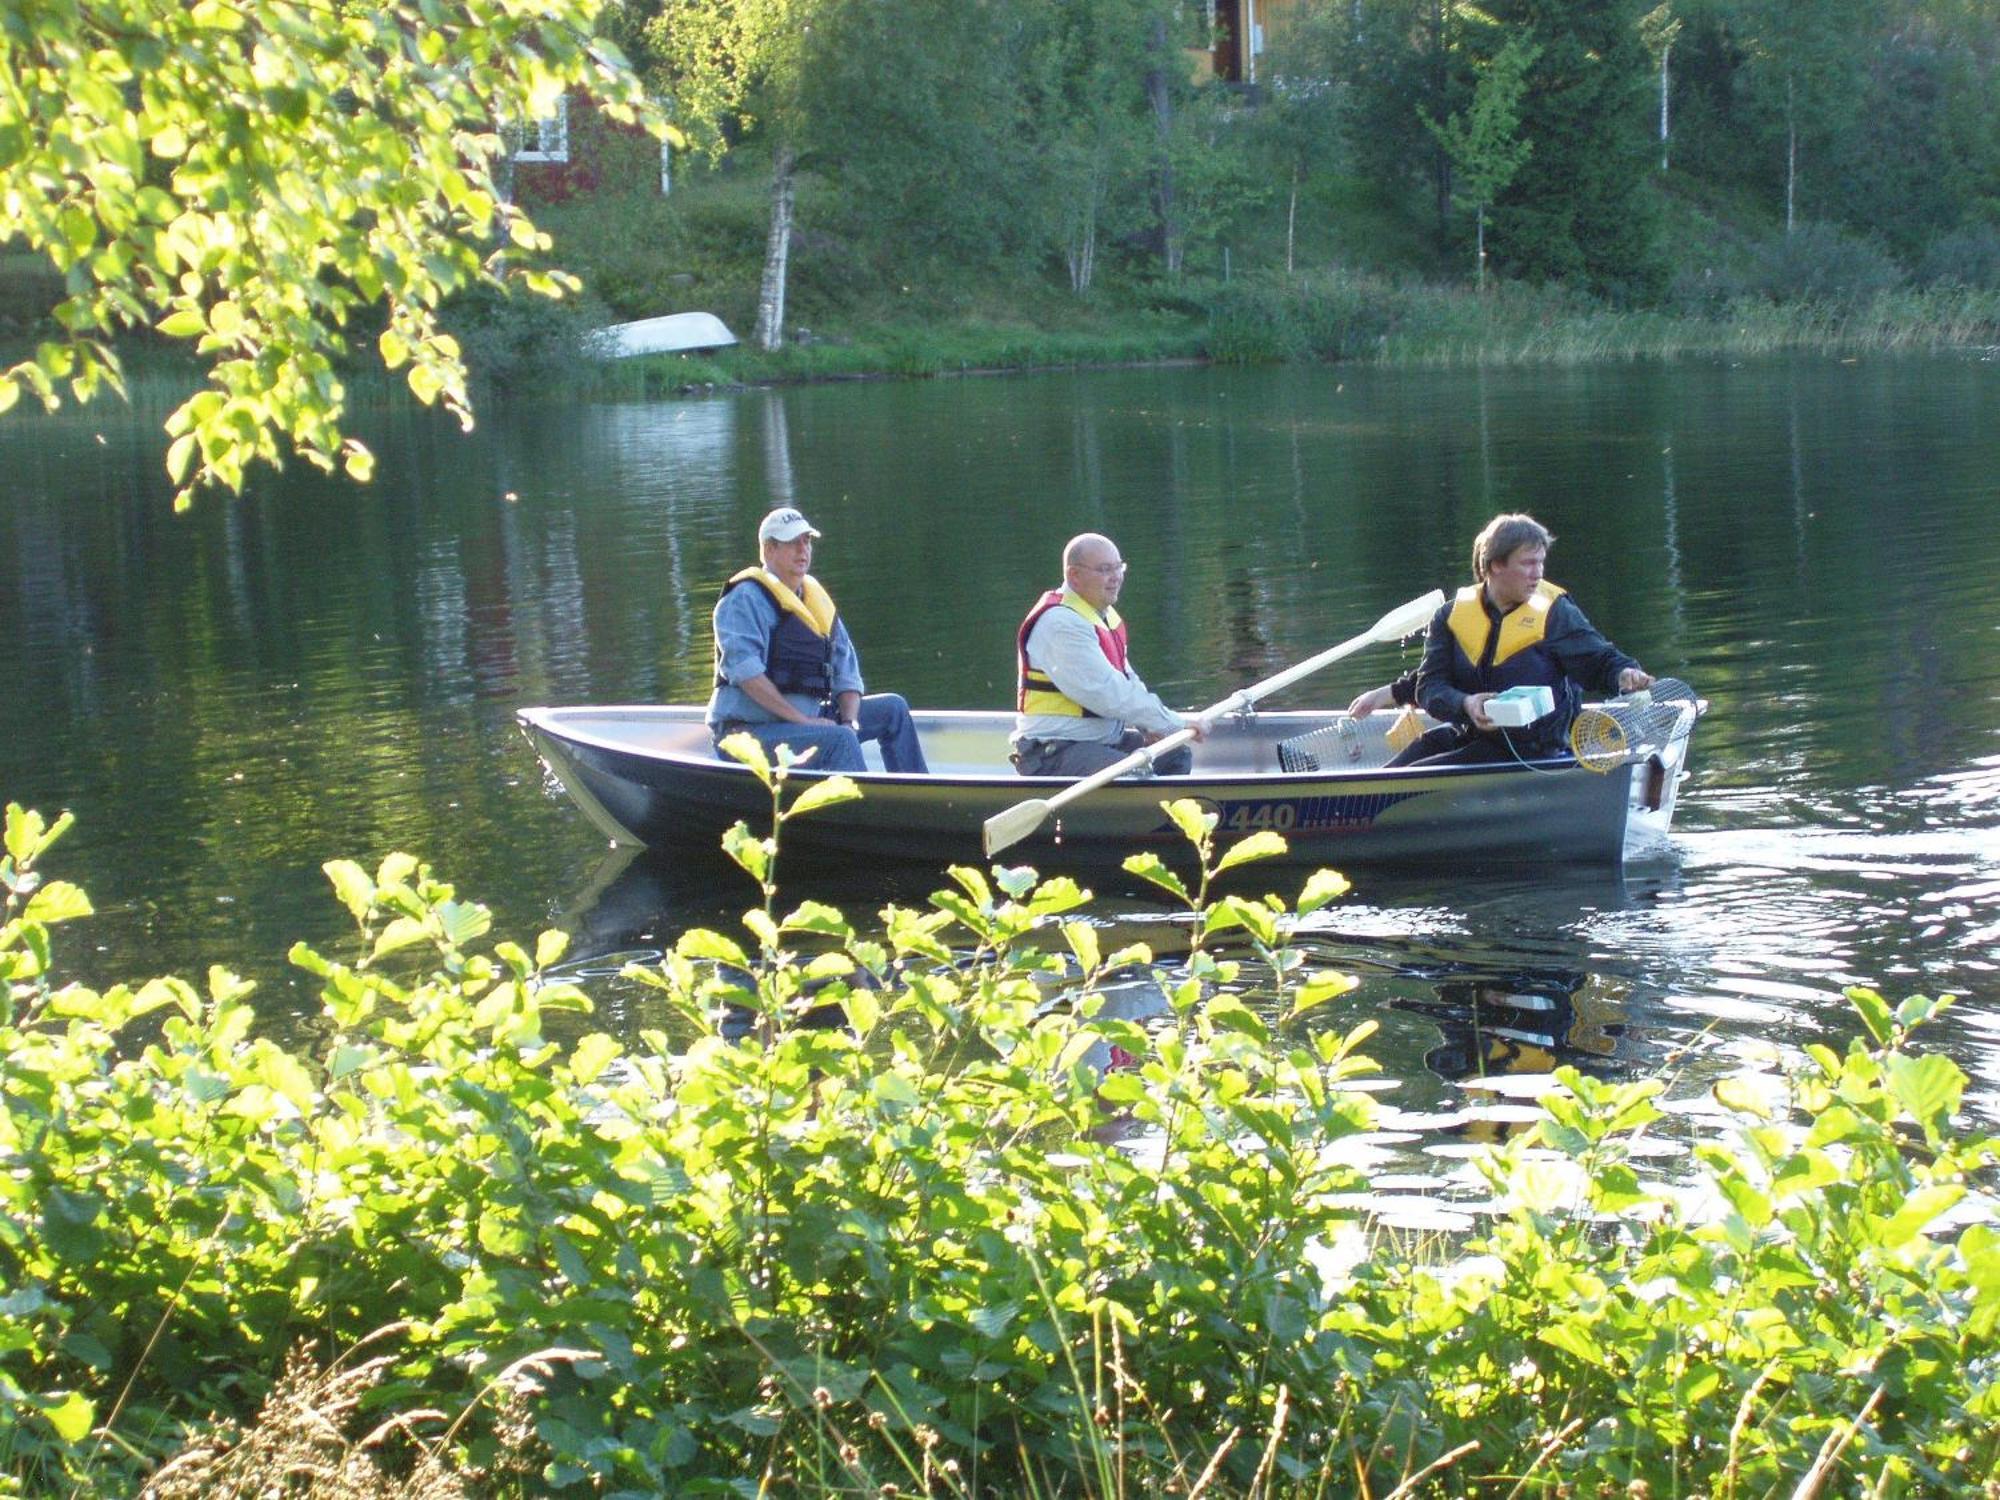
<point>1407,619</point>
<point>1013,824</point>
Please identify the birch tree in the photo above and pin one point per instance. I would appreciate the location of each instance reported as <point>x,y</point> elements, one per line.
<point>746,63</point>
<point>1806,70</point>
<point>1661,28</point>
<point>1484,140</point>
<point>244,177</point>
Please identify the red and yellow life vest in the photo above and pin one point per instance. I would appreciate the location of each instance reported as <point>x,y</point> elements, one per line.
<point>1035,691</point>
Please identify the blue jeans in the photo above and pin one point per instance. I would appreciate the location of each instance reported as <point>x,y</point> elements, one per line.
<point>885,718</point>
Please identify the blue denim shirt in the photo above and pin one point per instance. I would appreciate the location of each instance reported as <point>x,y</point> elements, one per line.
<point>744,620</point>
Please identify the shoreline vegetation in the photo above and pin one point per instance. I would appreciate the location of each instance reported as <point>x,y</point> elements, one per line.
<point>461,1244</point>
<point>519,346</point>
<point>1342,319</point>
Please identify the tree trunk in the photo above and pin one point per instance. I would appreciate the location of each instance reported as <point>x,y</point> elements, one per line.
<point>1082,252</point>
<point>1664,51</point>
<point>1440,61</point>
<point>777,253</point>
<point>1791,157</point>
<point>1479,218</point>
<point>1160,97</point>
<point>1292,220</point>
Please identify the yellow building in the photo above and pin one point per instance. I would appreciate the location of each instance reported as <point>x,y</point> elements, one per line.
<point>1238,30</point>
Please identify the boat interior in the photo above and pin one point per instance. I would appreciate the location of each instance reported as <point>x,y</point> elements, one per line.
<point>974,744</point>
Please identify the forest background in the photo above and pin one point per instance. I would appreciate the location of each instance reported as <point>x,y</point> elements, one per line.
<point>918,184</point>
<point>922,186</point>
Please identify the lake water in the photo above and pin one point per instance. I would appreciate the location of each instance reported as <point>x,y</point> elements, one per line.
<point>228,698</point>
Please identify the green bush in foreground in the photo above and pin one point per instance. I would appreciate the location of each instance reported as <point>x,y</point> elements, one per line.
<point>902,1257</point>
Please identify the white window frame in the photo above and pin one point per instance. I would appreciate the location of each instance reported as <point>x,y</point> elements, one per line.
<point>546,139</point>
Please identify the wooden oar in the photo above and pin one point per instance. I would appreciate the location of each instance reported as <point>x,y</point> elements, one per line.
<point>1023,818</point>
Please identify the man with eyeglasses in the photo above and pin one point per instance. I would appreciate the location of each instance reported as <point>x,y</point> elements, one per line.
<point>1082,707</point>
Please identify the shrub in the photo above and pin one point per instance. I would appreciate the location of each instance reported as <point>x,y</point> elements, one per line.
<point>1821,263</point>
<point>1968,258</point>
<point>903,1252</point>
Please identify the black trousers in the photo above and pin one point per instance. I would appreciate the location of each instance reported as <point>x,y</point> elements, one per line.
<point>1086,757</point>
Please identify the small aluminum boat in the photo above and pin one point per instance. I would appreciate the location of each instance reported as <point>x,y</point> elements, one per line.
<point>650,776</point>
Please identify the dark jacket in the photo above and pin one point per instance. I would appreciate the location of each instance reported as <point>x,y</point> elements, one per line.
<point>1569,656</point>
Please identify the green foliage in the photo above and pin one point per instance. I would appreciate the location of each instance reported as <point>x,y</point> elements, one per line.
<point>1820,263</point>
<point>1484,141</point>
<point>247,177</point>
<point>1812,1306</point>
<point>907,1252</point>
<point>1578,209</point>
<point>1965,258</point>
<point>1256,319</point>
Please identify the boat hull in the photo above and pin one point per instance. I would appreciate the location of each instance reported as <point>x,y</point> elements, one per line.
<point>647,776</point>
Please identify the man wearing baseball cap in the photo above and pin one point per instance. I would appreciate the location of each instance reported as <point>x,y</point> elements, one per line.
<point>786,671</point>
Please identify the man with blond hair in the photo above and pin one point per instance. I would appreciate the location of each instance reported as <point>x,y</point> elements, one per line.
<point>1509,628</point>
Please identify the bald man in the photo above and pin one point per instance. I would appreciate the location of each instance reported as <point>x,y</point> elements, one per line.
<point>1081,706</point>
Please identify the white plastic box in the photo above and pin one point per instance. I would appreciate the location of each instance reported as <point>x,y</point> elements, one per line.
<point>1519,707</point>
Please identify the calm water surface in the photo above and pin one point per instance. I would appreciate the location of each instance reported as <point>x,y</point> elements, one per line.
<point>228,698</point>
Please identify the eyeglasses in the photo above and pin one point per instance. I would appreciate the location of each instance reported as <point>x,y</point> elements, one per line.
<point>1109,570</point>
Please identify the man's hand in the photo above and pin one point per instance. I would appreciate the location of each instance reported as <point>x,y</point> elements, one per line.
<point>1374,698</point>
<point>1633,678</point>
<point>1475,710</point>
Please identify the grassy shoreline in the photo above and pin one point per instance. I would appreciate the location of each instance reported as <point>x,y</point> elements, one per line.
<point>1327,319</point>
<point>1335,319</point>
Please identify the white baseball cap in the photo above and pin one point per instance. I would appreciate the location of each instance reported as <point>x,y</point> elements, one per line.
<point>785,524</point>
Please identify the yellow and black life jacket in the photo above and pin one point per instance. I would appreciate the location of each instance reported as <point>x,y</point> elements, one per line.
<point>799,658</point>
<point>1523,627</point>
<point>1035,692</point>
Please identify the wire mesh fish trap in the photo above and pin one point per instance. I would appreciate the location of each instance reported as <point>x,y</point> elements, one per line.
<point>1605,735</point>
<point>1335,747</point>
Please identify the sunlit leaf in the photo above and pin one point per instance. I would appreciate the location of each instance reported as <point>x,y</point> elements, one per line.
<point>828,793</point>
<point>1321,887</point>
<point>1262,845</point>
<point>1874,1013</point>
<point>1320,987</point>
<point>1082,939</point>
<point>70,1414</point>
<point>590,1056</point>
<point>1917,1213</point>
<point>463,921</point>
<point>1744,1097</point>
<point>1151,868</point>
<point>762,928</point>
<point>402,933</point>
<point>751,853</point>
<point>704,943</point>
<point>1194,820</point>
<point>1014,881</point>
<point>817,916</point>
<point>58,901</point>
<point>864,1009</point>
<point>746,748</point>
<point>1929,1087</point>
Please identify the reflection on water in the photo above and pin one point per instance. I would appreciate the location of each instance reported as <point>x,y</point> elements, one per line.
<point>230,698</point>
